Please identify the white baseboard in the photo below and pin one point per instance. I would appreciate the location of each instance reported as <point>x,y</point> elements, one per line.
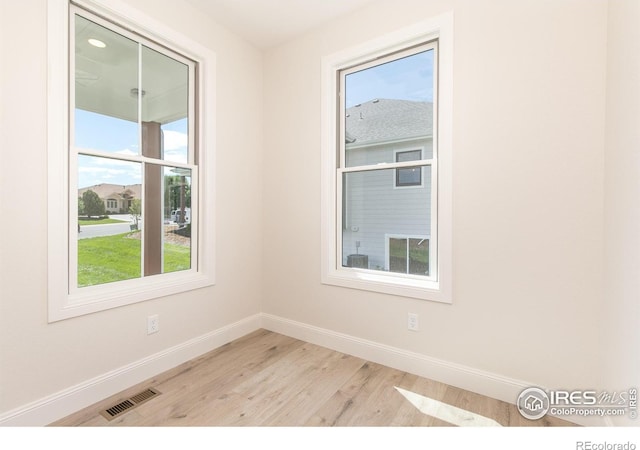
<point>464,377</point>
<point>68,401</point>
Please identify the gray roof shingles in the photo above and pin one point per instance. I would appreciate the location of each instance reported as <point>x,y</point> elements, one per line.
<point>385,120</point>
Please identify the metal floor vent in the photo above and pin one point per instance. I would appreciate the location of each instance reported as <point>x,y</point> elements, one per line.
<point>128,404</point>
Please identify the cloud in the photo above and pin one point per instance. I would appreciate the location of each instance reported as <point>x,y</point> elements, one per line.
<point>175,146</point>
<point>127,152</point>
<point>100,170</point>
<point>175,140</point>
<point>93,170</point>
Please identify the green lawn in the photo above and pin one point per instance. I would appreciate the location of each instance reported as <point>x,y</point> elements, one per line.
<point>114,258</point>
<point>176,257</point>
<point>96,221</point>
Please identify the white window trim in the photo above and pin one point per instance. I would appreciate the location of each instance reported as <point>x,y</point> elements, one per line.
<point>62,304</point>
<point>440,27</point>
<point>395,172</point>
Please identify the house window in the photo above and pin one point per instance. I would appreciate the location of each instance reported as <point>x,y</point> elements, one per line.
<point>134,146</point>
<point>133,124</point>
<point>387,163</point>
<point>408,176</point>
<point>375,120</point>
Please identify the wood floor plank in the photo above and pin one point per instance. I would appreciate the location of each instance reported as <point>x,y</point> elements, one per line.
<point>342,408</point>
<point>275,386</point>
<point>268,379</point>
<point>205,402</point>
<point>380,405</point>
<point>314,392</point>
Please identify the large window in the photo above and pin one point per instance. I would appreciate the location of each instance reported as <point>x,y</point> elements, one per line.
<point>387,153</point>
<point>134,154</point>
<point>377,118</point>
<point>133,124</point>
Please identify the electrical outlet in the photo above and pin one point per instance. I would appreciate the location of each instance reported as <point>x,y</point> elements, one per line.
<point>412,322</point>
<point>153,324</point>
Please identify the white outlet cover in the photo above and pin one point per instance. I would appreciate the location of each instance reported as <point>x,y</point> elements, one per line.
<point>153,324</point>
<point>412,322</point>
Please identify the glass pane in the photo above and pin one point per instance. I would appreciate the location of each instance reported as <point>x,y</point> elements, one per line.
<point>378,219</point>
<point>106,72</point>
<point>410,155</point>
<point>408,176</point>
<point>165,102</point>
<point>387,104</point>
<point>175,138</point>
<point>419,256</point>
<point>398,255</point>
<point>109,201</point>
<point>177,219</point>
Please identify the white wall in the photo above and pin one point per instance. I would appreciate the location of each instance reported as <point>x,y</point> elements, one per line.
<point>39,359</point>
<point>530,197</point>
<point>529,100</point>
<point>621,300</point>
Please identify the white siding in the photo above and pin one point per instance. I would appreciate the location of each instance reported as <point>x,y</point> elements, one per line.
<point>374,207</point>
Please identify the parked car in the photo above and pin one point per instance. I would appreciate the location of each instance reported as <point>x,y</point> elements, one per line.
<point>175,215</point>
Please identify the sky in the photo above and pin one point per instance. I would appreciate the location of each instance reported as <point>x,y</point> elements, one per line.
<point>409,78</point>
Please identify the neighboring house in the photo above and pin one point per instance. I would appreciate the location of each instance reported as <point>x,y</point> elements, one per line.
<point>116,197</point>
<point>387,211</point>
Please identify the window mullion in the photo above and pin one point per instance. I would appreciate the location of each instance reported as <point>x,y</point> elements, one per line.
<point>406,261</point>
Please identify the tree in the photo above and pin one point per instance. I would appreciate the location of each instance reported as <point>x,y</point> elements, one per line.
<point>136,210</point>
<point>93,205</point>
<point>80,207</point>
<point>177,192</point>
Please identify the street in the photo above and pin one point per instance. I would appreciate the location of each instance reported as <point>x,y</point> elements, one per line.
<point>89,231</point>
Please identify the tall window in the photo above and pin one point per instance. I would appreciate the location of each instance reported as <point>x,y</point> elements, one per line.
<point>134,160</point>
<point>387,153</point>
<point>132,119</point>
<point>377,119</point>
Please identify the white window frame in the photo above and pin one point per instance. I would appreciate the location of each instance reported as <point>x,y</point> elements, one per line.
<point>437,289</point>
<point>65,302</point>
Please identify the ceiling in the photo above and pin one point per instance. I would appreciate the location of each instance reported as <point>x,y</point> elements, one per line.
<point>267,23</point>
<point>109,78</point>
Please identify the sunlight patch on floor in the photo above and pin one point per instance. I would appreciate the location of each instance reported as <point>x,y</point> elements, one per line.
<point>445,412</point>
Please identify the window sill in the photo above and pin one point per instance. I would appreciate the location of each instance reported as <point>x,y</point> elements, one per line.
<point>102,297</point>
<point>386,283</point>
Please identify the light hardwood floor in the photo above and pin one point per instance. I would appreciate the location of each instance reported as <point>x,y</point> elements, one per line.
<point>267,379</point>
